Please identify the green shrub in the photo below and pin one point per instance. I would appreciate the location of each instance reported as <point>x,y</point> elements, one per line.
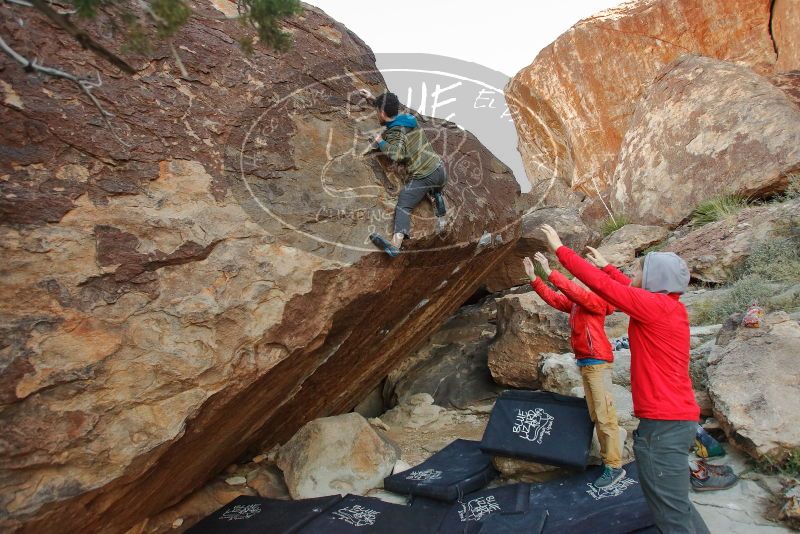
<point>788,466</point>
<point>717,208</point>
<point>613,223</point>
<point>766,276</point>
<point>793,189</point>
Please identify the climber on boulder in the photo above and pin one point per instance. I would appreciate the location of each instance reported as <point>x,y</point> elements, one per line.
<point>405,142</point>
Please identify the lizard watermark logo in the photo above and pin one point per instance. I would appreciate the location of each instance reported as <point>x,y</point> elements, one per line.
<point>533,425</point>
<point>302,163</point>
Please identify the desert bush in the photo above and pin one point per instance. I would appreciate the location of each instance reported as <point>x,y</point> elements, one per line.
<point>717,208</point>
<point>613,223</point>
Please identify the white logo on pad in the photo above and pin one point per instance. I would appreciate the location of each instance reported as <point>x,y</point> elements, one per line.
<point>614,490</point>
<point>242,512</point>
<point>477,509</point>
<point>425,475</point>
<point>357,515</point>
<point>533,425</point>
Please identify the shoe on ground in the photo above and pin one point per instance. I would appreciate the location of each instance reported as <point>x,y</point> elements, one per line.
<point>710,477</point>
<point>609,477</point>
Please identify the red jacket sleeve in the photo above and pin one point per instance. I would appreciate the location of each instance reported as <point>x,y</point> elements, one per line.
<point>616,274</point>
<point>559,302</point>
<point>577,294</point>
<point>640,304</point>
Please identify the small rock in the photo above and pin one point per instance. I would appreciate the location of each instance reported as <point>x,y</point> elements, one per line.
<point>236,481</point>
<point>260,458</point>
<point>378,423</point>
<point>340,454</point>
<point>400,466</point>
<point>177,523</point>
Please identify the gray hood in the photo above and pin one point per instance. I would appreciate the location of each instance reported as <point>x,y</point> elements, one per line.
<point>665,272</point>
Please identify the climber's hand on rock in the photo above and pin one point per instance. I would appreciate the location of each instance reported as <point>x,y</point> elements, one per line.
<point>553,241</point>
<point>529,270</point>
<point>543,262</point>
<point>595,258</point>
<point>366,93</point>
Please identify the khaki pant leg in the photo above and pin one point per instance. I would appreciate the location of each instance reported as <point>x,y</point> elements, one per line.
<point>597,385</point>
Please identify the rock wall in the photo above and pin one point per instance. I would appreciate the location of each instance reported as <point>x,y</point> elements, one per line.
<point>577,98</point>
<point>193,281</point>
<point>705,128</point>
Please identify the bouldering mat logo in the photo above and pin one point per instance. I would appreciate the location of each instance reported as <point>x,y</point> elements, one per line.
<point>357,515</point>
<point>479,508</point>
<point>425,475</point>
<point>533,425</point>
<point>301,162</point>
<point>242,511</point>
<point>613,490</point>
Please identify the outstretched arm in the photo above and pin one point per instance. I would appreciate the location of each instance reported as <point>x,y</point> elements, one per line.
<point>598,260</point>
<point>559,302</point>
<point>576,294</point>
<point>638,303</point>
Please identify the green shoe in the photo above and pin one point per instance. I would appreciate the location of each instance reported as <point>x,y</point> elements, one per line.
<point>610,476</point>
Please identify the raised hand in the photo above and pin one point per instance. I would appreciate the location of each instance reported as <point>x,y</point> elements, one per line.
<point>543,262</point>
<point>529,270</point>
<point>595,258</point>
<point>366,93</point>
<point>553,241</point>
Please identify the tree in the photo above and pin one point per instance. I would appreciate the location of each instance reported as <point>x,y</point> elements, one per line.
<point>145,22</point>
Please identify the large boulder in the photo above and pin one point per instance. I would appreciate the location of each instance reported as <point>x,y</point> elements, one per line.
<point>452,364</point>
<point>622,246</point>
<point>559,373</point>
<point>575,104</point>
<point>785,30</point>
<point>752,380</point>
<point>340,454</point>
<point>527,328</point>
<point>195,280</point>
<point>715,250</point>
<point>705,128</point>
<point>571,228</point>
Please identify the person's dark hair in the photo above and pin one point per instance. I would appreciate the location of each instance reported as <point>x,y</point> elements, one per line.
<point>389,103</point>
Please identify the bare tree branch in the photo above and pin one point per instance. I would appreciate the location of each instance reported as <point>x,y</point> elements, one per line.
<point>178,61</point>
<point>81,36</point>
<point>19,3</point>
<point>85,85</point>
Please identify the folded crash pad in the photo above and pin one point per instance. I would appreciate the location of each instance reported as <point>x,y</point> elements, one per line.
<point>357,514</point>
<point>541,426</point>
<point>253,515</point>
<point>530,522</point>
<point>456,470</point>
<point>575,505</point>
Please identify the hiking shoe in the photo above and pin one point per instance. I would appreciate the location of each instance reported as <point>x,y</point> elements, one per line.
<point>383,244</point>
<point>710,477</point>
<point>610,476</point>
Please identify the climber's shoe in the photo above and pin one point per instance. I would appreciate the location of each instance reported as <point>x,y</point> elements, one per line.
<point>383,244</point>
<point>438,202</point>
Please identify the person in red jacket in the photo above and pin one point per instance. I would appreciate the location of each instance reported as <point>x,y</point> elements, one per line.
<point>663,398</point>
<point>593,354</point>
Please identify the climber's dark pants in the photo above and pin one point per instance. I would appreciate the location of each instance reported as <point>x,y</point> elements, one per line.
<point>662,458</point>
<point>411,195</point>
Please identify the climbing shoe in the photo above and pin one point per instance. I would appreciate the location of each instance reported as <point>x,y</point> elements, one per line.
<point>438,202</point>
<point>383,244</point>
<point>710,477</point>
<point>610,476</point>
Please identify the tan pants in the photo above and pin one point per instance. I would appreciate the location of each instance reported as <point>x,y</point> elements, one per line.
<point>597,386</point>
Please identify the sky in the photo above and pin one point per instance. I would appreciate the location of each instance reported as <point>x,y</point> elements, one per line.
<point>497,37</point>
<point>504,35</point>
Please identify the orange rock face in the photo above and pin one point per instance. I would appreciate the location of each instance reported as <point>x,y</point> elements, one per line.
<point>786,33</point>
<point>575,101</point>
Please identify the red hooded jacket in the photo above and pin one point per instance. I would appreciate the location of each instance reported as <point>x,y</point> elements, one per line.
<point>659,339</point>
<point>587,315</point>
